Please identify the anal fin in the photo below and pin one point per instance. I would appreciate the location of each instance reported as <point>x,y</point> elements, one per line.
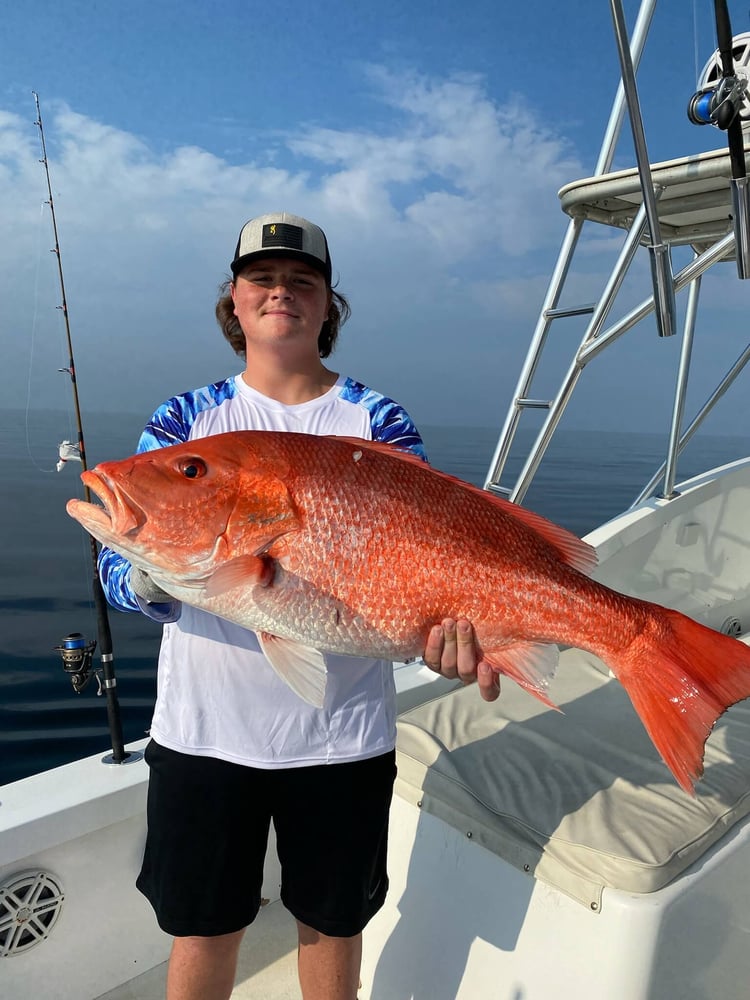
<point>530,664</point>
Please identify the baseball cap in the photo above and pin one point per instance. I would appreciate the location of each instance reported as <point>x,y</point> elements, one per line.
<point>282,235</point>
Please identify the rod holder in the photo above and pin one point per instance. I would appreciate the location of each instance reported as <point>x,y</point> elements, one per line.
<point>741,216</point>
<point>663,282</point>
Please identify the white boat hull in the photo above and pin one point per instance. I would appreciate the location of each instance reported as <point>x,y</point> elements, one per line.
<point>462,924</point>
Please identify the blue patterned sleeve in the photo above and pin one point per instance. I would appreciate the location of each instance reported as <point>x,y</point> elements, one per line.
<point>392,424</point>
<point>169,425</point>
<point>114,572</point>
<point>389,421</point>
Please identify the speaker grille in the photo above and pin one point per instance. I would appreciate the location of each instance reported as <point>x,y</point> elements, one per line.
<point>30,903</point>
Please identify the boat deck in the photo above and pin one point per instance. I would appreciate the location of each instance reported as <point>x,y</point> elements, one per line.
<point>267,968</point>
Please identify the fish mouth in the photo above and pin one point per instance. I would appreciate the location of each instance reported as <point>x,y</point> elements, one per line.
<point>118,513</point>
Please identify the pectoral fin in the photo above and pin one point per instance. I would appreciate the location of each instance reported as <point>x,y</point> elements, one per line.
<point>301,667</point>
<point>243,571</point>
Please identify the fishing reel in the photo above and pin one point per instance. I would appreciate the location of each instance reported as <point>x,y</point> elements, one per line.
<point>722,97</point>
<point>77,655</point>
<point>718,105</point>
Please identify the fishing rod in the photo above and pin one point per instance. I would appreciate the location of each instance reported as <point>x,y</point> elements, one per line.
<point>720,104</point>
<point>75,652</point>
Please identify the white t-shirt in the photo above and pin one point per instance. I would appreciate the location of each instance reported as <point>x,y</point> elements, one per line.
<point>217,695</point>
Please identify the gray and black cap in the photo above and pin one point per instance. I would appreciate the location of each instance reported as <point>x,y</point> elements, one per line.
<point>282,235</point>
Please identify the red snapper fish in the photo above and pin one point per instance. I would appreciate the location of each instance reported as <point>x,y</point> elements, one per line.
<point>339,544</point>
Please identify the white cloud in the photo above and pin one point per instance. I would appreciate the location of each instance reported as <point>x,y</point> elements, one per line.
<point>443,220</point>
<point>481,177</point>
<point>439,197</point>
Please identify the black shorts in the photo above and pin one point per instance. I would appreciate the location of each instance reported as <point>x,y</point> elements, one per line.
<point>208,823</point>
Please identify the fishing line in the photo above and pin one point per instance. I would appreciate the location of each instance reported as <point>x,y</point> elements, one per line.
<point>698,66</point>
<point>40,238</point>
<point>32,351</point>
<point>83,555</point>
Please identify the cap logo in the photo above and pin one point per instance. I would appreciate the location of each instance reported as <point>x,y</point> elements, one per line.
<point>282,234</point>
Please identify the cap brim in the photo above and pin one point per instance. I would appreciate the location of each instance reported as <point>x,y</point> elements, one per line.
<point>280,252</point>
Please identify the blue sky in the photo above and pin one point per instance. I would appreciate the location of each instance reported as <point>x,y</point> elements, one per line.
<point>428,139</point>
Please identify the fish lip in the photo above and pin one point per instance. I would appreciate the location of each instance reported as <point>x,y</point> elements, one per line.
<point>125,517</point>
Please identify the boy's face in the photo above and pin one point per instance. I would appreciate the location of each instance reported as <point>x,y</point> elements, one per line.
<point>280,299</point>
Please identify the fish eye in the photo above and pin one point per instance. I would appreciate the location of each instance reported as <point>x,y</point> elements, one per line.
<point>193,468</point>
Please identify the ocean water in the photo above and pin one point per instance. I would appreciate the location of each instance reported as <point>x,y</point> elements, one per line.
<point>46,567</point>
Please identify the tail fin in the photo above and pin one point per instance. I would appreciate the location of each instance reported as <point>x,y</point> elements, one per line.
<point>680,678</point>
